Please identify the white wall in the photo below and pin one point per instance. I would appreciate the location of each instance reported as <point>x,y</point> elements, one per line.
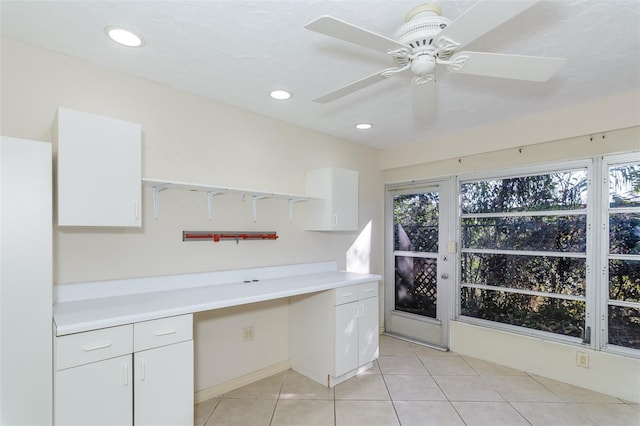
<point>189,138</point>
<point>607,373</point>
<point>612,113</point>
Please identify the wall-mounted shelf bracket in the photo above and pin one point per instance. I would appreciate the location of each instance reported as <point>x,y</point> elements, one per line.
<point>255,200</point>
<point>292,201</point>
<point>210,195</point>
<point>157,189</point>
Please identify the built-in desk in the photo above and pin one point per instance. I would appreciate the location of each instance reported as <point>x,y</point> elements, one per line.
<point>129,343</point>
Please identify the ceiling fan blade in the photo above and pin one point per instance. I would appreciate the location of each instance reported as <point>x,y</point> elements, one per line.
<point>531,68</point>
<point>482,18</point>
<point>353,87</point>
<point>424,98</point>
<point>342,30</point>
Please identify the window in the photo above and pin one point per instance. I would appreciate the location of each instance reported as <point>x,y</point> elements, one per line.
<point>621,270</point>
<point>523,250</point>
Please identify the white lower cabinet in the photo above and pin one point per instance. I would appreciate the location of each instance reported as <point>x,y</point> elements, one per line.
<point>99,393</point>
<point>163,385</point>
<point>334,333</point>
<point>138,374</point>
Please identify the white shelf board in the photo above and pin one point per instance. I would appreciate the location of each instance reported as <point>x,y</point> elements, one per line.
<point>159,185</point>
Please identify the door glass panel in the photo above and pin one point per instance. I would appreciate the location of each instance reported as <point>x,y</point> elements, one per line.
<point>415,219</point>
<point>416,285</point>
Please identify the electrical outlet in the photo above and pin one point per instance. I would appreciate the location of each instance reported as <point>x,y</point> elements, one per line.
<point>248,334</point>
<point>582,360</point>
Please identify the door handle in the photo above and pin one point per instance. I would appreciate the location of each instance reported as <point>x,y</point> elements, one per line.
<point>444,276</point>
<point>143,370</point>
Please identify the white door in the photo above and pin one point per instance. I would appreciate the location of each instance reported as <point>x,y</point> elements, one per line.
<point>99,393</point>
<point>346,358</point>
<point>419,256</point>
<point>163,391</point>
<point>368,330</point>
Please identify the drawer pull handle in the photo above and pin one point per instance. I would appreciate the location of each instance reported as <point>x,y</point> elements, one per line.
<point>95,348</point>
<point>164,333</point>
<point>369,290</point>
<point>347,295</point>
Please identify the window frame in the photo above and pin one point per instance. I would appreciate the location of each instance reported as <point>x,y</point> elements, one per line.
<point>602,308</point>
<point>589,256</point>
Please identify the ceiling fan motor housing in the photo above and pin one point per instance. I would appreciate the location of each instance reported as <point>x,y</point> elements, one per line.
<point>423,24</point>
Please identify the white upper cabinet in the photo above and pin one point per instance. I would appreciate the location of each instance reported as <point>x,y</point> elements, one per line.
<point>335,203</point>
<point>99,170</point>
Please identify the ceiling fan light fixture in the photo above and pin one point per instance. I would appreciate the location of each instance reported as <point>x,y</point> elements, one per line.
<point>280,94</point>
<point>364,126</point>
<point>430,9</point>
<point>423,64</point>
<point>124,37</point>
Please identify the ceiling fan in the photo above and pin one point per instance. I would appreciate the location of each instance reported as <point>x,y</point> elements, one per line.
<point>428,39</point>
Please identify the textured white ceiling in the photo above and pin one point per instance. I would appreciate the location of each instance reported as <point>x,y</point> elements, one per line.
<point>237,51</point>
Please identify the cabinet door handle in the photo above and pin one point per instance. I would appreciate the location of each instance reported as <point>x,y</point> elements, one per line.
<point>164,333</point>
<point>95,348</point>
<point>136,210</point>
<point>361,306</point>
<point>142,370</point>
<point>357,313</point>
<point>335,220</point>
<point>125,370</point>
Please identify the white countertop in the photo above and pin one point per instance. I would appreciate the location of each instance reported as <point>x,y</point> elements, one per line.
<point>92,313</point>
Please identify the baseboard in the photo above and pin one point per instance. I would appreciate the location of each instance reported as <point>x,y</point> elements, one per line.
<point>417,342</point>
<point>238,382</point>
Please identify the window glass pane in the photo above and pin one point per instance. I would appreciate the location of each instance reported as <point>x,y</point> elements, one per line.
<point>540,233</point>
<point>415,218</point>
<point>624,186</point>
<point>624,326</point>
<point>554,191</point>
<point>416,285</point>
<point>540,313</point>
<point>561,275</point>
<point>624,233</point>
<point>624,280</point>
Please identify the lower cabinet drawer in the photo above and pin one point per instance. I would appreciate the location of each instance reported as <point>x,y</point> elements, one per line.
<point>161,332</point>
<point>91,346</point>
<point>366,290</point>
<point>346,294</point>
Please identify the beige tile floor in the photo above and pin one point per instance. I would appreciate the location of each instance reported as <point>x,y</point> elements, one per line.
<point>414,385</point>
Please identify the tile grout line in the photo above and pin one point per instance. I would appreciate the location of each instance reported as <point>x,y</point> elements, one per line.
<point>453,407</point>
<point>273,413</point>
<point>512,406</point>
<point>384,380</point>
<point>335,410</point>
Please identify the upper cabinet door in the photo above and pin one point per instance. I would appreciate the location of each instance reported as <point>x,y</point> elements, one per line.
<point>99,170</point>
<point>335,203</point>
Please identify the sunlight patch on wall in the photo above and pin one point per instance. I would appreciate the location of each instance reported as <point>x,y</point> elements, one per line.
<point>359,254</point>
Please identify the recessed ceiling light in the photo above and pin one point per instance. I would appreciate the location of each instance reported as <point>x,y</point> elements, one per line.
<point>364,126</point>
<point>280,95</point>
<point>124,37</point>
